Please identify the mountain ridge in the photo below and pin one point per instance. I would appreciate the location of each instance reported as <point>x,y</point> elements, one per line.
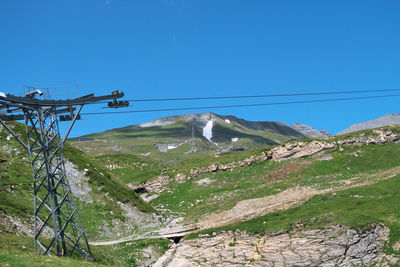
<point>385,120</point>
<point>178,136</point>
<point>308,130</point>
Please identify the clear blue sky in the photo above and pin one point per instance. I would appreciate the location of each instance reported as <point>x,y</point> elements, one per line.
<point>188,48</point>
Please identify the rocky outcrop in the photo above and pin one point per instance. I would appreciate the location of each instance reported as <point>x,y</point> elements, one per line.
<point>379,137</point>
<point>155,187</point>
<point>229,166</point>
<point>331,246</point>
<point>299,150</point>
<point>289,151</point>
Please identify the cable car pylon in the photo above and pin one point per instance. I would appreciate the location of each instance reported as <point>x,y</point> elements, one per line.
<point>58,228</point>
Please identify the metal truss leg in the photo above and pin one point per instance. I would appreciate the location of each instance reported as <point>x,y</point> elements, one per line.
<point>57,225</point>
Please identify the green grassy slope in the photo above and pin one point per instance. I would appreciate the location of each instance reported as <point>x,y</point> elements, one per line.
<point>18,251</point>
<point>16,202</point>
<point>130,168</point>
<point>355,207</point>
<point>16,187</point>
<point>367,163</point>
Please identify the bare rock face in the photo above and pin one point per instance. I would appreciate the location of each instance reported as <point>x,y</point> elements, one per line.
<point>79,182</point>
<point>331,246</point>
<point>299,150</point>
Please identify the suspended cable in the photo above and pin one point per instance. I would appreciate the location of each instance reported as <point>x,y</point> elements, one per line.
<point>258,96</point>
<point>243,105</point>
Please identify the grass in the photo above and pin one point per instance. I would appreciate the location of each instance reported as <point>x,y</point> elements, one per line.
<point>107,190</point>
<point>219,158</point>
<point>18,251</point>
<point>131,253</point>
<point>131,168</point>
<point>16,188</point>
<point>107,182</point>
<point>267,178</point>
<point>15,258</point>
<point>356,208</point>
<point>16,180</point>
<point>226,189</point>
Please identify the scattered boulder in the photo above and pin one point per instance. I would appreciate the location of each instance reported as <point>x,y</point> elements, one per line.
<point>180,178</point>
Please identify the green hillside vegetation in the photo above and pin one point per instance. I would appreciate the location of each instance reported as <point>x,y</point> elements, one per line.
<point>16,200</point>
<point>18,251</point>
<point>355,207</point>
<point>135,169</point>
<point>365,164</point>
<point>131,168</point>
<point>16,187</point>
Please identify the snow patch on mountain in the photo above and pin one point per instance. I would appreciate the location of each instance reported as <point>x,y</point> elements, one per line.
<point>228,121</point>
<point>207,130</point>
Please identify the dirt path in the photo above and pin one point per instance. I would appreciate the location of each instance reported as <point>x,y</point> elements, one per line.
<point>251,208</point>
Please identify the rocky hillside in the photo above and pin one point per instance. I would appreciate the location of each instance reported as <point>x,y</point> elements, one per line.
<point>174,138</point>
<point>388,119</point>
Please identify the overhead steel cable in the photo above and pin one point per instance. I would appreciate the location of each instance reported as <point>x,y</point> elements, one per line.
<point>259,96</point>
<point>244,105</point>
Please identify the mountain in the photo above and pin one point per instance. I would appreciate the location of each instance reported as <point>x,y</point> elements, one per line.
<point>310,131</point>
<point>388,119</point>
<point>172,138</point>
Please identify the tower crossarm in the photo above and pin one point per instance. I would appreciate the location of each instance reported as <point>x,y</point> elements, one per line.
<point>27,102</point>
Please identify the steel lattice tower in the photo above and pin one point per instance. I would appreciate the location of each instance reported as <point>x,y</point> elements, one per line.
<point>57,226</point>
